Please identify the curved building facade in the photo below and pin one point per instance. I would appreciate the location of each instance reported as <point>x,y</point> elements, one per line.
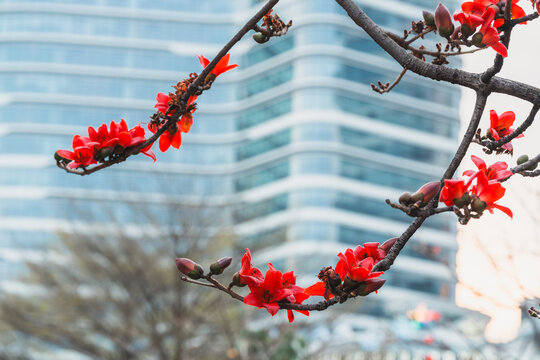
<point>294,136</point>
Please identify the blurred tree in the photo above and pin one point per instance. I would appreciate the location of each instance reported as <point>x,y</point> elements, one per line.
<point>116,294</point>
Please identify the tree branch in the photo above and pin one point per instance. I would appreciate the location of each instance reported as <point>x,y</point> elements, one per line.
<point>191,90</point>
<point>437,72</point>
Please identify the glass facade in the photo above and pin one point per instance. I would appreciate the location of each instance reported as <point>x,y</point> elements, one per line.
<point>294,135</point>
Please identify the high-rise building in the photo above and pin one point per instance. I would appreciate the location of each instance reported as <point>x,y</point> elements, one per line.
<point>295,134</point>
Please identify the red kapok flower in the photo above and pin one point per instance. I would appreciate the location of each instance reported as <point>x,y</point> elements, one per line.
<point>479,6</point>
<point>82,155</point>
<point>496,171</point>
<point>268,292</point>
<point>221,67</point>
<point>488,35</point>
<point>249,274</point>
<point>452,191</point>
<point>500,126</point>
<point>489,192</point>
<point>173,135</point>
<point>358,271</point>
<point>298,295</point>
<point>163,103</point>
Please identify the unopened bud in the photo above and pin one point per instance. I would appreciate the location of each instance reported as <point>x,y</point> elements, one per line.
<point>477,39</point>
<point>443,21</point>
<point>260,38</point>
<point>387,245</point>
<point>429,19</point>
<point>405,199</point>
<point>369,286</point>
<point>455,34</point>
<point>522,159</point>
<point>220,265</point>
<point>427,192</point>
<point>464,200</point>
<point>417,197</point>
<point>478,205</point>
<point>189,268</point>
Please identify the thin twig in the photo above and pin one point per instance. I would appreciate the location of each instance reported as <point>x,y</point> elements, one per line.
<point>384,89</point>
<point>418,36</point>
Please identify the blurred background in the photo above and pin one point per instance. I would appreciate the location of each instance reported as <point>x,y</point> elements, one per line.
<point>291,154</point>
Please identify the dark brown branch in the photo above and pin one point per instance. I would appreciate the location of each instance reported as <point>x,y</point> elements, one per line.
<point>479,107</point>
<point>523,169</point>
<point>183,100</point>
<point>529,17</point>
<point>436,72</point>
<point>499,60</point>
<point>414,211</point>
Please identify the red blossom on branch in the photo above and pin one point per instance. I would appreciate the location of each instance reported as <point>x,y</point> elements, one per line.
<point>173,135</point>
<point>221,67</point>
<point>103,143</point>
<point>489,192</point>
<point>452,191</point>
<point>273,289</point>
<point>500,126</point>
<point>495,171</point>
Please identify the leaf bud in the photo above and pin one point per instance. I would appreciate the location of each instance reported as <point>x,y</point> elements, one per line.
<point>220,265</point>
<point>189,268</point>
<point>405,199</point>
<point>478,205</point>
<point>443,21</point>
<point>369,286</point>
<point>429,19</point>
<point>260,38</point>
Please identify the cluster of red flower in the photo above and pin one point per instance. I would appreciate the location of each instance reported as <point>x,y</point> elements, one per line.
<point>353,272</point>
<point>172,137</point>
<point>484,13</point>
<point>103,144</point>
<point>268,290</point>
<point>484,193</point>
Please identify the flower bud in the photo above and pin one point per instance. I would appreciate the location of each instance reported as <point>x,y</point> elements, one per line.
<point>477,39</point>
<point>443,21</point>
<point>427,192</point>
<point>478,205</point>
<point>220,265</point>
<point>522,159</point>
<point>405,199</point>
<point>464,200</point>
<point>455,34</point>
<point>429,19</point>
<point>260,38</point>
<point>189,268</point>
<point>387,245</point>
<point>369,286</point>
